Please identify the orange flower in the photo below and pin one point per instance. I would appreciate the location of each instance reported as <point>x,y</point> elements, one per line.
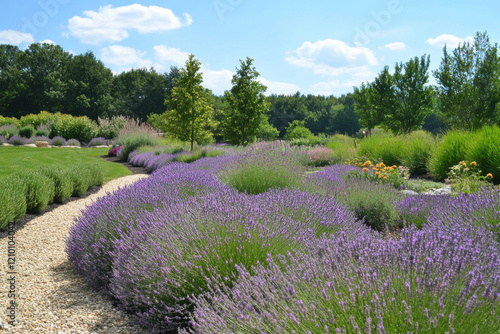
<point>489,176</point>
<point>365,169</point>
<point>473,164</point>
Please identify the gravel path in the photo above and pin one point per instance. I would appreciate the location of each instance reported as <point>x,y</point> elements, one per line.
<point>50,296</point>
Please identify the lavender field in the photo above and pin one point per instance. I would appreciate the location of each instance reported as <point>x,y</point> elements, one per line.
<point>249,242</point>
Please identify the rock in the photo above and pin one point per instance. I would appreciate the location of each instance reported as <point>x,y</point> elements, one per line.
<point>30,145</point>
<point>6,144</point>
<point>409,192</point>
<point>41,143</point>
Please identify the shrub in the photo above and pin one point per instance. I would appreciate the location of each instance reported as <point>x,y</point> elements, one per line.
<point>271,167</point>
<point>58,141</point>
<point>133,142</point>
<point>297,130</point>
<point>63,187</point>
<point>451,150</point>
<point>80,178</point>
<point>67,126</point>
<point>39,192</point>
<point>114,150</point>
<point>267,132</point>
<point>96,175</point>
<point>37,120</point>
<point>43,130</point>
<point>320,157</point>
<point>2,140</point>
<point>416,151</point>
<point>12,199</point>
<point>17,140</point>
<point>343,147</point>
<point>109,128</point>
<point>98,141</point>
<point>27,131</point>
<point>8,131</point>
<point>484,148</point>
<point>9,121</point>
<point>385,147</point>
<point>73,142</point>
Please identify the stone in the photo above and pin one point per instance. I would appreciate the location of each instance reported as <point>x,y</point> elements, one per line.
<point>409,192</point>
<point>41,143</point>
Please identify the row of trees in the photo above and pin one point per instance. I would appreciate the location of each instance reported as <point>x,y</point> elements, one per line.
<point>467,96</point>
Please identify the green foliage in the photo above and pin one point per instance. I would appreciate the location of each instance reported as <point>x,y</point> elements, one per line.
<point>12,199</point>
<point>110,128</point>
<point>96,175</point>
<point>266,132</point>
<point>297,130</point>
<point>469,82</point>
<point>80,128</point>
<point>9,121</point>
<point>247,105</point>
<point>42,130</point>
<point>27,131</point>
<point>263,169</point>
<point>396,176</point>
<point>190,118</point>
<point>133,142</point>
<point>365,107</point>
<point>376,209</point>
<point>384,147</point>
<point>62,182</point>
<point>466,178</point>
<point>417,148</point>
<point>197,155</point>
<point>342,147</point>
<point>39,190</point>
<point>484,148</point>
<point>80,177</point>
<point>8,131</point>
<point>36,120</point>
<point>448,152</point>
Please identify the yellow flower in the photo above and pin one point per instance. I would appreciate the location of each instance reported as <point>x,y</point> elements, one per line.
<point>394,166</point>
<point>379,176</point>
<point>365,169</point>
<point>473,164</point>
<point>489,176</point>
<point>385,177</point>
<point>461,162</point>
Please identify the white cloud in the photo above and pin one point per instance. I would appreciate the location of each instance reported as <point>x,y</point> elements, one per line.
<point>48,41</point>
<point>15,37</point>
<point>173,56</point>
<point>274,87</point>
<point>396,46</point>
<point>111,24</point>
<point>217,81</point>
<point>331,57</point>
<point>334,86</point>
<point>451,41</point>
<point>124,56</point>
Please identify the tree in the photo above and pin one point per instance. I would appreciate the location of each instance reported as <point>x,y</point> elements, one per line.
<point>469,84</point>
<point>364,106</point>
<point>413,99</point>
<point>247,104</point>
<point>191,120</point>
<point>12,80</point>
<point>296,130</point>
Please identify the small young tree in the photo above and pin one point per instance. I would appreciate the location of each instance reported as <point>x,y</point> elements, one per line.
<point>247,104</point>
<point>296,130</point>
<point>191,120</point>
<point>364,107</point>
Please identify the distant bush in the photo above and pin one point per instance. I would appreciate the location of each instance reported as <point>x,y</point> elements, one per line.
<point>342,147</point>
<point>43,130</point>
<point>267,132</point>
<point>67,126</point>
<point>27,131</point>
<point>9,121</point>
<point>9,131</point>
<point>62,182</point>
<point>73,142</point>
<point>12,199</point>
<point>58,141</point>
<point>297,130</point>
<point>110,128</point>
<point>98,141</point>
<point>17,140</point>
<point>449,152</point>
<point>416,151</point>
<point>484,148</point>
<point>33,140</point>
<point>37,120</point>
<point>39,190</point>
<point>385,147</point>
<point>320,156</point>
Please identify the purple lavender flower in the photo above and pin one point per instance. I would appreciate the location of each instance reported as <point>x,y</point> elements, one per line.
<point>98,141</point>
<point>17,140</point>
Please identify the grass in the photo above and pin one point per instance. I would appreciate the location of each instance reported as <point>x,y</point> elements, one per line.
<point>13,159</point>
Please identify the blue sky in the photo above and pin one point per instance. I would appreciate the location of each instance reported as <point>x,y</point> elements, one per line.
<point>316,47</point>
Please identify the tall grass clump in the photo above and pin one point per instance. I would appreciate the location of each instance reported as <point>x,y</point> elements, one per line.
<point>9,130</point>
<point>424,282</point>
<point>417,148</point>
<point>342,147</point>
<point>62,182</point>
<point>484,148</point>
<point>39,190</point>
<point>385,147</point>
<point>449,151</point>
<point>133,142</point>
<point>12,199</point>
<point>271,166</point>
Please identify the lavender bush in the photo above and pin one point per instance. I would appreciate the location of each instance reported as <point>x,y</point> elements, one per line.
<point>98,141</point>
<point>58,141</point>
<point>428,281</point>
<point>17,140</point>
<point>32,140</point>
<point>73,142</point>
<point>3,140</point>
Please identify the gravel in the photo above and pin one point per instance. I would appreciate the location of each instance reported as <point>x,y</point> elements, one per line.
<point>50,296</point>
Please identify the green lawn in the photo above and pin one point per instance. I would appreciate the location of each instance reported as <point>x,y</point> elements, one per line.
<point>15,158</point>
